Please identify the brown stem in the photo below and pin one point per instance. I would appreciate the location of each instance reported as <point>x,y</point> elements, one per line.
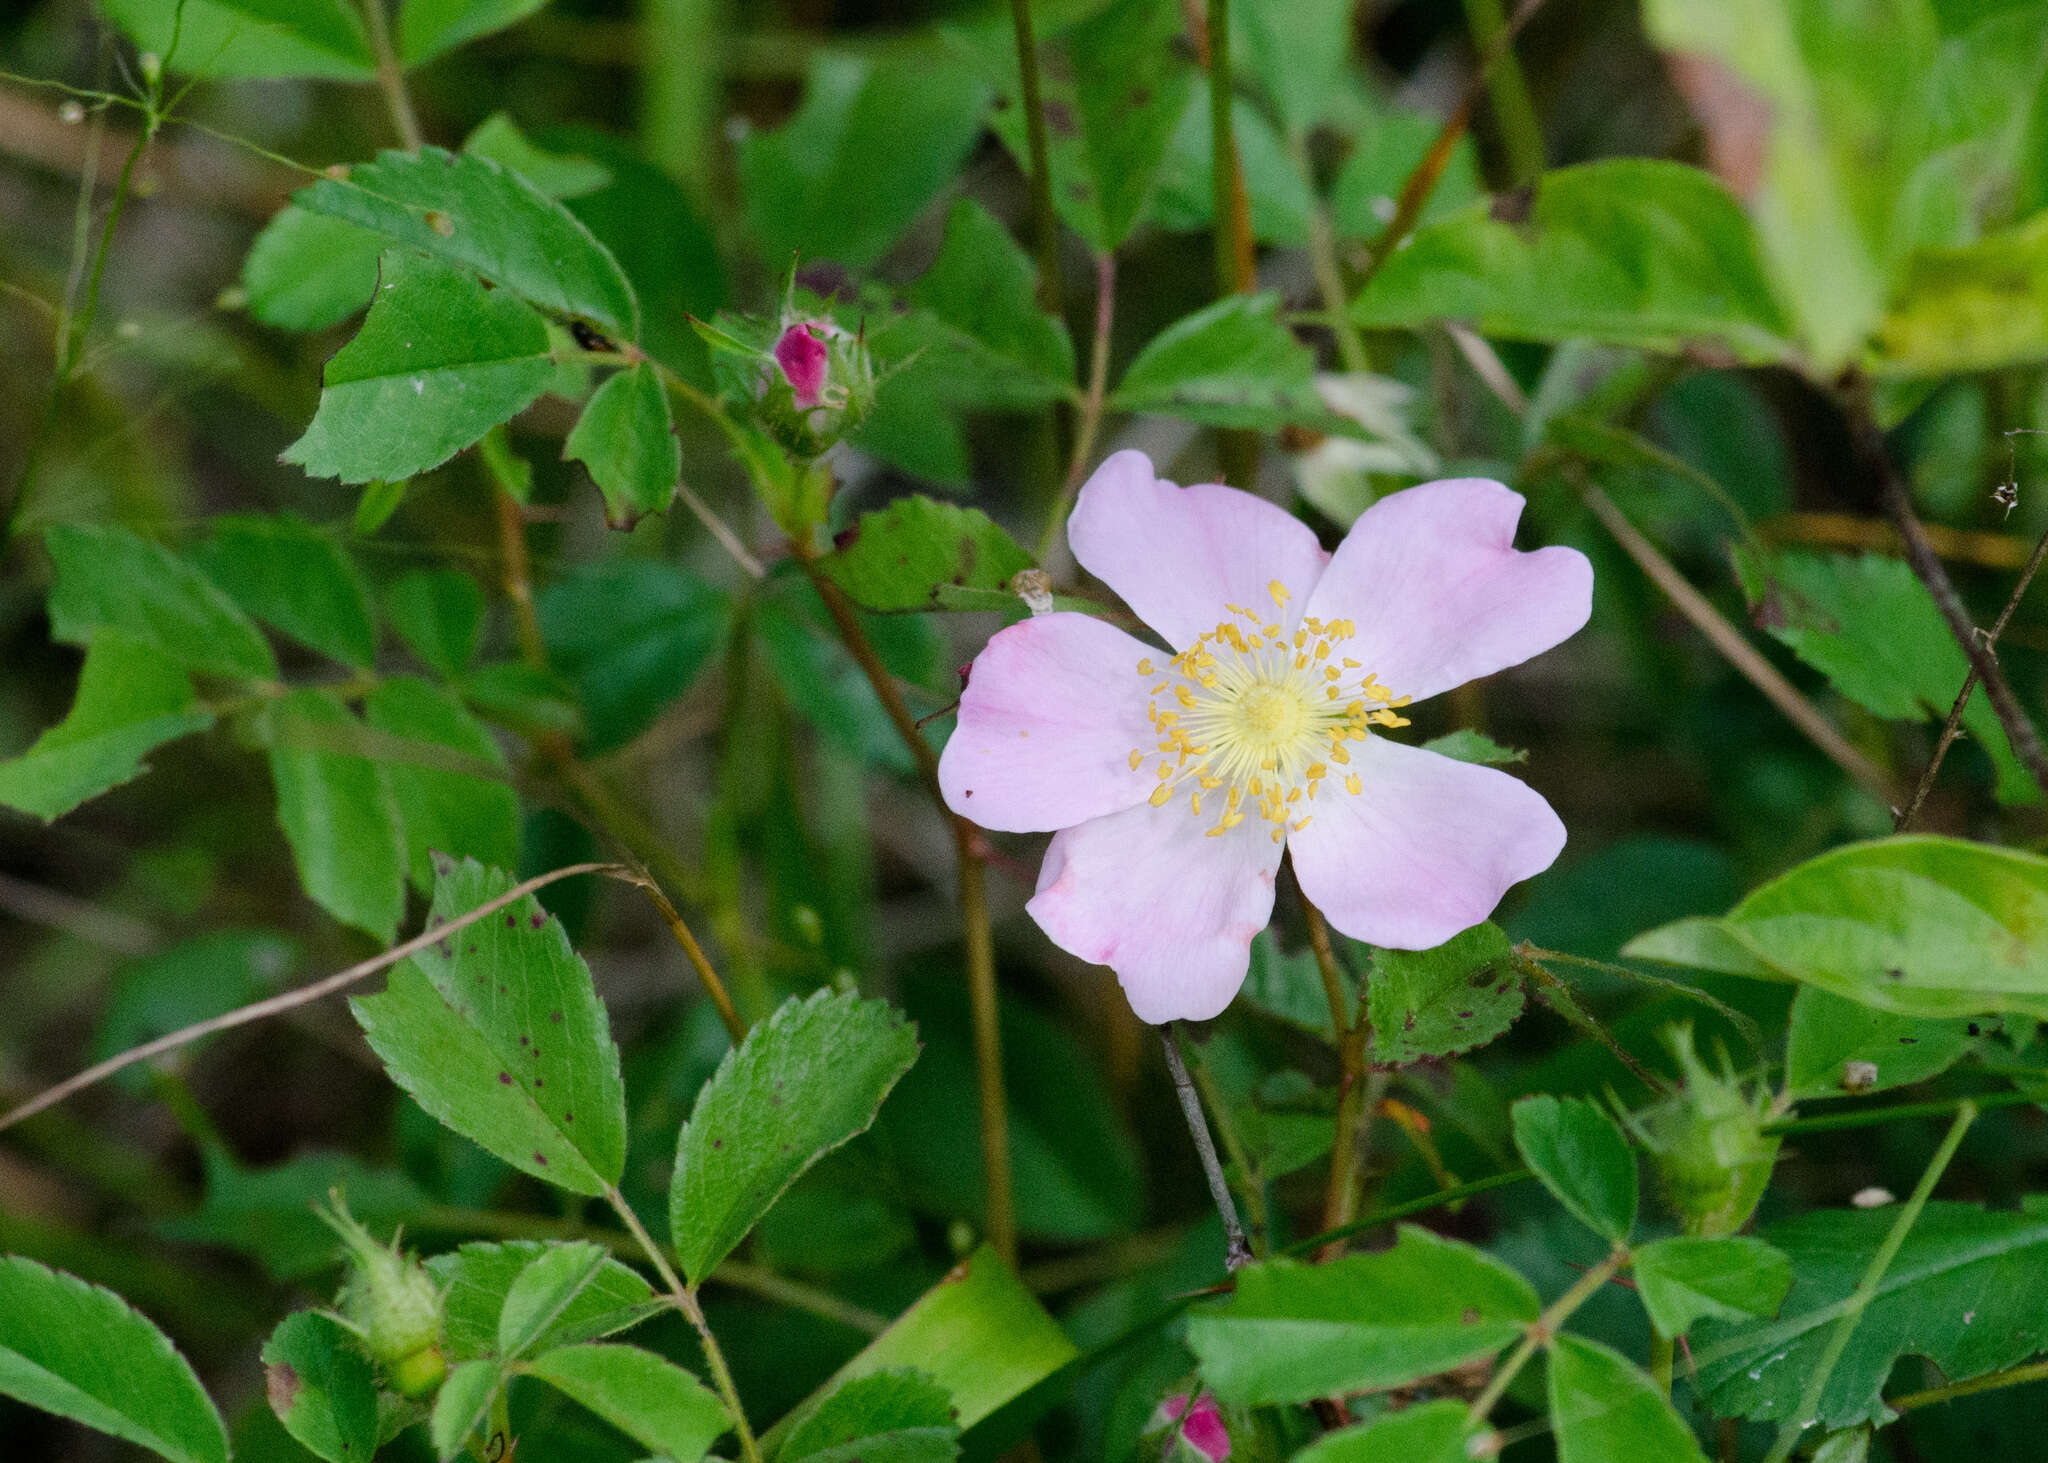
<point>391,76</point>
<point>1927,568</point>
<point>1355,1097</point>
<point>1236,1252</point>
<point>516,568</point>
<point>706,976</point>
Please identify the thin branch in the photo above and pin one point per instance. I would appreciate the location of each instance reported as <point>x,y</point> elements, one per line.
<point>1236,1253</point>
<point>1927,568</point>
<point>391,77</point>
<point>2033,1371</point>
<point>1520,133</point>
<point>1091,404</point>
<point>1954,723</point>
<point>720,530</point>
<point>1737,650</point>
<point>1558,996</point>
<point>1356,1099</point>
<point>290,1000</point>
<point>699,961</point>
<point>1045,223</point>
<point>1251,1181</point>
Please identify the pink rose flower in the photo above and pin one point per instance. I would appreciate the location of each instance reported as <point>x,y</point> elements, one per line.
<point>1173,782</point>
<point>1203,1431</point>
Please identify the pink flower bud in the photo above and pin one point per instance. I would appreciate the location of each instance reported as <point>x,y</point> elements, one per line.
<point>802,354</point>
<point>1202,1430</point>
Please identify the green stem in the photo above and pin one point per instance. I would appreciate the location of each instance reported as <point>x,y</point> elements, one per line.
<point>2033,1371</point>
<point>686,1302</point>
<point>1513,114</point>
<point>1895,1112</point>
<point>1045,223</point>
<point>1546,1326</point>
<point>1355,1094</point>
<point>1322,256</point>
<point>1795,1427</point>
<point>391,76</point>
<point>1662,1351</point>
<point>1091,405</point>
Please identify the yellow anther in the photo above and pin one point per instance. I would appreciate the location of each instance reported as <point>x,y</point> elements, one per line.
<point>1165,770</point>
<point>1303,823</point>
<point>1137,759</point>
<point>1183,695</point>
<point>1278,591</point>
<point>1338,754</point>
<point>1322,650</point>
<point>1195,804</point>
<point>1352,785</point>
<point>1145,667</point>
<point>1161,795</point>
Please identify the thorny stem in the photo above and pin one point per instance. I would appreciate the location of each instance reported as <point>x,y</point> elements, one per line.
<point>391,76</point>
<point>1045,223</point>
<point>1794,1427</point>
<point>1355,1097</point>
<point>686,1302</point>
<point>1091,404</point>
<point>981,962</point>
<point>1955,712</point>
<point>1546,1326</point>
<point>1927,568</point>
<point>1236,1253</point>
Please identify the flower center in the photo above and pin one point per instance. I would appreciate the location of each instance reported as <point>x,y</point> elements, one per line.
<point>1251,717</point>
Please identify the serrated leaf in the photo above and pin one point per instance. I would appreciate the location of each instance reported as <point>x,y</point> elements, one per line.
<point>1433,1003</point>
<point>439,613</point>
<point>1231,364</point>
<point>446,812</point>
<point>1605,1409</point>
<point>1628,251</point>
<point>338,813</point>
<point>476,215</point>
<point>627,439</point>
<point>804,1081</point>
<point>428,28</point>
<point>557,174</point>
<point>476,1279</point>
<point>460,1405</point>
<point>1873,630</point>
<point>83,1353</point>
<point>1836,1046</point>
<point>498,1032</point>
<point>321,1387</point>
<point>269,38</point>
<point>306,271</point>
<point>542,1290</point>
<point>653,1401</point>
<point>1292,1332</point>
<point>878,1410</point>
<point>109,578</point>
<point>901,556</point>
<point>1579,1153</point>
<point>1684,1279</point>
<point>130,701</point>
<point>440,360</point>
<point>1429,1432</point>
<point>296,579</point>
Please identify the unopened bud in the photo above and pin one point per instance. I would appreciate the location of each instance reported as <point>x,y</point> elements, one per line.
<point>1708,1143</point>
<point>1196,1428</point>
<point>152,66</point>
<point>390,1303</point>
<point>816,385</point>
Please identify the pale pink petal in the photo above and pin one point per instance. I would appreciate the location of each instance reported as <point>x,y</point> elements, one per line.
<point>1440,594</point>
<point>1179,555</point>
<point>1424,850</point>
<point>1171,911</point>
<point>1053,709</point>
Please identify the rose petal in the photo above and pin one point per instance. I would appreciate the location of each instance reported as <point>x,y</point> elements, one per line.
<point>1440,594</point>
<point>1177,555</point>
<point>1171,911</point>
<point>1425,849</point>
<point>802,355</point>
<point>1053,709</point>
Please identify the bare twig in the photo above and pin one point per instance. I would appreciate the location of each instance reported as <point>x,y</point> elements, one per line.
<point>1236,1253</point>
<point>290,1000</point>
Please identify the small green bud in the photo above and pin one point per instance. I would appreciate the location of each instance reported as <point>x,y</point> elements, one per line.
<point>391,1304</point>
<point>1708,1143</point>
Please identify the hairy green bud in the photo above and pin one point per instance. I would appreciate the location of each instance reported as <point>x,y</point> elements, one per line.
<point>1708,1143</point>
<point>391,1304</point>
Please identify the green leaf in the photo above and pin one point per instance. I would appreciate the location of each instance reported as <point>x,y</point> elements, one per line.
<point>1113,89</point>
<point>978,1333</point>
<point>873,142</point>
<point>1968,1290</point>
<point>439,361</point>
<point>460,1405</point>
<point>296,579</point>
<point>1230,364</point>
<point>1699,942</point>
<point>1836,1046</point>
<point>1684,1279</point>
<point>110,579</point>
<point>191,981</point>
<point>268,1212</point>
<point>1467,745</point>
<point>131,700</point>
<point>1429,1432</point>
<point>824,684</point>
<point>476,215</point>
<point>1432,1003</point>
<point>81,1352</point>
<point>627,439</point>
<point>1292,1332</point>
<point>269,38</point>
<point>427,28</point>
<point>498,1032</point>
<point>1290,986</point>
<point>654,1402</point>
<point>1866,623</point>
<point>902,556</point>
<point>1364,196</point>
<point>308,272</point>
<point>529,699</point>
<point>374,508</point>
<point>321,1387</point>
<point>631,635</point>
<point>804,1081</point>
<point>1604,1409</point>
<point>1299,51</point>
<point>476,1279</point>
<point>1627,251</point>
<point>557,174</point>
<point>1981,306</point>
<point>898,1414</point>
<point>338,813</point>
<point>1281,202</point>
<point>1582,1158</point>
<point>440,614</point>
<point>446,812</point>
<point>542,1291</point>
